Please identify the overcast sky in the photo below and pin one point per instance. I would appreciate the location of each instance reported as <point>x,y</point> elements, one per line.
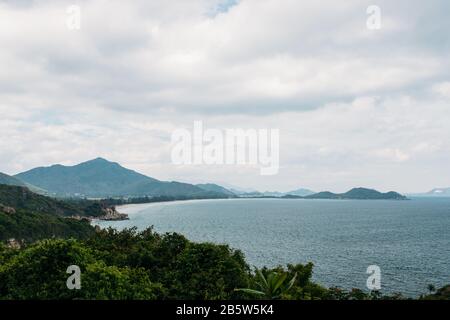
<point>355,107</point>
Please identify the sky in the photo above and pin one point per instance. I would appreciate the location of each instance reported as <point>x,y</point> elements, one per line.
<point>354,106</point>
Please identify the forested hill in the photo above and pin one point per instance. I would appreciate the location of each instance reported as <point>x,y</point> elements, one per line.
<point>22,198</point>
<point>25,215</point>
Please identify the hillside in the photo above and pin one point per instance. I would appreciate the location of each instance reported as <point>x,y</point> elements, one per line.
<point>22,198</point>
<point>13,181</point>
<point>100,178</point>
<point>10,181</point>
<point>216,188</point>
<point>29,216</point>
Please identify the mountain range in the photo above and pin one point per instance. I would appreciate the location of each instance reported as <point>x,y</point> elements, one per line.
<point>100,178</point>
<point>358,194</point>
<point>275,194</point>
<point>437,192</point>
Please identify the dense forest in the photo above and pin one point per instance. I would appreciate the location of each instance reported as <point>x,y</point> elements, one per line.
<point>27,216</point>
<point>147,265</point>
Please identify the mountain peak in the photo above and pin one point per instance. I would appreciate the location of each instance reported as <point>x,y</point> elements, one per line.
<point>98,160</point>
<point>100,178</point>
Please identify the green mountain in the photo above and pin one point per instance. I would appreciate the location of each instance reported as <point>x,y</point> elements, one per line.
<point>216,188</point>
<point>29,216</point>
<point>100,178</point>
<point>358,194</point>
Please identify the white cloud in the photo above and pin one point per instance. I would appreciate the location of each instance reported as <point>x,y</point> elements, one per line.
<point>442,89</point>
<point>354,106</point>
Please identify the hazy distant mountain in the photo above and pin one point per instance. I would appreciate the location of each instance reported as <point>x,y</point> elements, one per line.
<point>237,190</point>
<point>277,194</point>
<point>272,194</point>
<point>216,188</point>
<point>437,192</point>
<point>441,192</point>
<point>300,192</point>
<point>13,181</point>
<point>358,194</point>
<point>102,178</point>
<point>10,181</point>
<point>254,194</point>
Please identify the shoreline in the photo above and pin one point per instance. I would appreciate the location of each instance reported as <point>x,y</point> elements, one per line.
<point>131,206</point>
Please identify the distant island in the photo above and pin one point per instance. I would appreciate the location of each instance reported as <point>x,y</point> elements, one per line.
<point>353,194</point>
<point>358,194</point>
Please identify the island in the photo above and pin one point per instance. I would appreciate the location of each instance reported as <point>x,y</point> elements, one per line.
<point>353,194</point>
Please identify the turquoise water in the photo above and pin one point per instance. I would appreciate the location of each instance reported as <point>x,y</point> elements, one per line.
<point>408,240</point>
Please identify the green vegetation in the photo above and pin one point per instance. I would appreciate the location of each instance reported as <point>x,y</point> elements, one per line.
<point>123,265</point>
<point>23,198</point>
<point>27,216</point>
<point>440,294</point>
<point>146,265</point>
<point>272,286</point>
<point>26,226</point>
<point>134,265</point>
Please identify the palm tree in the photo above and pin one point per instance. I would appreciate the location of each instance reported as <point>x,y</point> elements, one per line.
<point>271,287</point>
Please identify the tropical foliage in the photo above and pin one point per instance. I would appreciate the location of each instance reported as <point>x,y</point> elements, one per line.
<point>272,286</point>
<point>147,265</point>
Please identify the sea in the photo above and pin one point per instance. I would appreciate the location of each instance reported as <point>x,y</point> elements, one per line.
<point>409,241</point>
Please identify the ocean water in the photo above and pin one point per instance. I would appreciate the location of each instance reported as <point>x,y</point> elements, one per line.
<point>408,240</point>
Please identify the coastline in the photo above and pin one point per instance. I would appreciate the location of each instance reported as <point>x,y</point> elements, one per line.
<point>134,208</point>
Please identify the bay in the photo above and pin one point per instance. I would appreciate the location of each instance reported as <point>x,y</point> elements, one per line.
<point>408,240</point>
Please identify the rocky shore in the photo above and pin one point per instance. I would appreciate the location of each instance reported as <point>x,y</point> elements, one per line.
<point>109,214</point>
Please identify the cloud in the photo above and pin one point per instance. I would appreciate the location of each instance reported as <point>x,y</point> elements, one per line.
<point>442,89</point>
<point>354,104</point>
